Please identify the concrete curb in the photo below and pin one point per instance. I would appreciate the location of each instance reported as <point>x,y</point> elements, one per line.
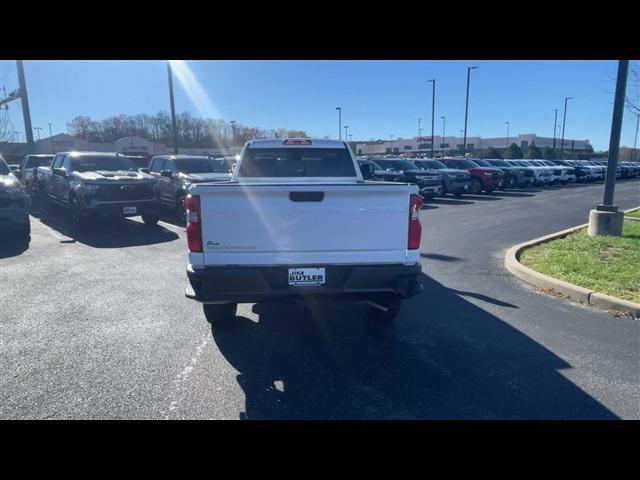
<point>584,295</point>
<point>635,219</point>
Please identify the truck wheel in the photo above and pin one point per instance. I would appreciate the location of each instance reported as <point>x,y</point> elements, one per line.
<point>151,219</point>
<point>444,190</point>
<point>75,213</point>
<point>219,313</point>
<point>475,187</point>
<point>393,307</point>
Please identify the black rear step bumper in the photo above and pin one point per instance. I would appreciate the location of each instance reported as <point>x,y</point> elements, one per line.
<point>260,284</point>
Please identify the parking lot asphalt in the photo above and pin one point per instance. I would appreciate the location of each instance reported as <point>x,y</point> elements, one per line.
<point>96,325</point>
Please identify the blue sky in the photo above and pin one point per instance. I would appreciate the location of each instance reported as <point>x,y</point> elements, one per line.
<point>378,98</point>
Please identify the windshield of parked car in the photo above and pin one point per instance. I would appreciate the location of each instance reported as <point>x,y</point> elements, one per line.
<point>35,162</point>
<point>523,163</point>
<point>499,163</point>
<point>404,165</point>
<point>433,164</point>
<point>88,163</point>
<point>296,162</point>
<point>482,163</point>
<point>203,165</point>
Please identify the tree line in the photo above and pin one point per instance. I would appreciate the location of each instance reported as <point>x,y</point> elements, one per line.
<point>191,131</point>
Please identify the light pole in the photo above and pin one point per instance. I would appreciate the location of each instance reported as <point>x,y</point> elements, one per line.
<point>508,125</point>
<point>173,109</point>
<point>433,112</point>
<point>564,123</point>
<point>461,133</point>
<point>466,108</point>
<point>51,137</point>
<point>339,122</point>
<point>350,137</point>
<point>233,132</point>
<point>444,122</point>
<point>38,129</point>
<point>555,124</point>
<point>635,141</point>
<point>419,129</point>
<point>606,219</point>
<point>391,144</point>
<point>346,129</point>
<point>24,99</point>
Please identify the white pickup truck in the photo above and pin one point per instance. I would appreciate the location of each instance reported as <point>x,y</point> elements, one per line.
<point>297,220</point>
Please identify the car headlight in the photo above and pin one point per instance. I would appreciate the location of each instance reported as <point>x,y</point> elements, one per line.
<point>13,189</point>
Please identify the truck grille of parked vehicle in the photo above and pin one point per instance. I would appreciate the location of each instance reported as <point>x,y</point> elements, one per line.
<point>114,193</point>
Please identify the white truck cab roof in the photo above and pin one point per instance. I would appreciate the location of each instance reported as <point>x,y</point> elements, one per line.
<point>295,143</point>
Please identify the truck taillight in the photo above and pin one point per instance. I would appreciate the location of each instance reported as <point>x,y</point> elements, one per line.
<point>415,229</point>
<point>194,226</point>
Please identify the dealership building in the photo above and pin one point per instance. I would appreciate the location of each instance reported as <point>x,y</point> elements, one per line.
<point>450,144</point>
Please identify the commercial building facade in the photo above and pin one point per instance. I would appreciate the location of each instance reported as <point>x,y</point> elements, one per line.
<point>451,144</point>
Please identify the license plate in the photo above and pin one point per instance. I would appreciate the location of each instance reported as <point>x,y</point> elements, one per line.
<point>129,210</point>
<point>306,277</point>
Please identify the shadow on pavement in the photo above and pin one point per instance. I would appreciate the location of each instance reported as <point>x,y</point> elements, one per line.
<point>441,258</point>
<point>484,196</point>
<point>512,194</point>
<point>450,201</point>
<point>441,358</point>
<point>108,233</point>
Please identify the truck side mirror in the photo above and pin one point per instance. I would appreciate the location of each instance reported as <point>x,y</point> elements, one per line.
<point>18,174</point>
<point>61,172</point>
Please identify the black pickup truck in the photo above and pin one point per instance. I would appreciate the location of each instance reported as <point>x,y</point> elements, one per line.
<point>99,184</point>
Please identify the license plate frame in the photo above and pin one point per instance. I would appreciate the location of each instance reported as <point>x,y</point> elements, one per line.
<point>129,210</point>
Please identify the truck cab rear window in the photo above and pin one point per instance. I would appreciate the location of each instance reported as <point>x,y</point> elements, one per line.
<point>296,162</point>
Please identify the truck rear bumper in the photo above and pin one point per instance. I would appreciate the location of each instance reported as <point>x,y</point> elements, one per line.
<point>259,284</point>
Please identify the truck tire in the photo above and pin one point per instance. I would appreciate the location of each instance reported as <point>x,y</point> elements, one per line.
<point>475,187</point>
<point>151,219</point>
<point>219,313</point>
<point>443,192</point>
<point>74,212</point>
<point>393,308</point>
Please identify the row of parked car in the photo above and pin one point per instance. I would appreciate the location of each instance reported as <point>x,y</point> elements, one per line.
<point>472,175</point>
<point>98,184</point>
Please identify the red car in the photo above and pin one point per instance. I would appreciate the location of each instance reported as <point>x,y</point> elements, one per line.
<point>482,178</point>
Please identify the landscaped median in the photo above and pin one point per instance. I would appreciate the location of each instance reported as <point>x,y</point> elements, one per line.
<point>601,271</point>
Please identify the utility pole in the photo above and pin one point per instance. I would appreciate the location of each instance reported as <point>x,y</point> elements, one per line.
<point>433,112</point>
<point>419,129</point>
<point>173,110</point>
<point>38,129</point>
<point>444,123</point>
<point>555,124</point>
<point>564,122</point>
<point>606,219</point>
<point>346,128</point>
<point>635,141</point>
<point>508,125</point>
<point>466,108</point>
<point>51,138</point>
<point>28,131</point>
<point>339,122</point>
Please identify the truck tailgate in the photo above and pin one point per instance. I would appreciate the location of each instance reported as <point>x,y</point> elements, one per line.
<point>304,224</point>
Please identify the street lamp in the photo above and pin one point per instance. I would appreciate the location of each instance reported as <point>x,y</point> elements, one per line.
<point>555,124</point>
<point>444,122</point>
<point>466,108</point>
<point>51,137</point>
<point>233,132</point>
<point>173,109</point>
<point>635,141</point>
<point>461,133</point>
<point>564,123</point>
<point>339,122</point>
<point>419,129</point>
<point>433,111</point>
<point>38,129</point>
<point>508,125</point>
<point>346,128</point>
